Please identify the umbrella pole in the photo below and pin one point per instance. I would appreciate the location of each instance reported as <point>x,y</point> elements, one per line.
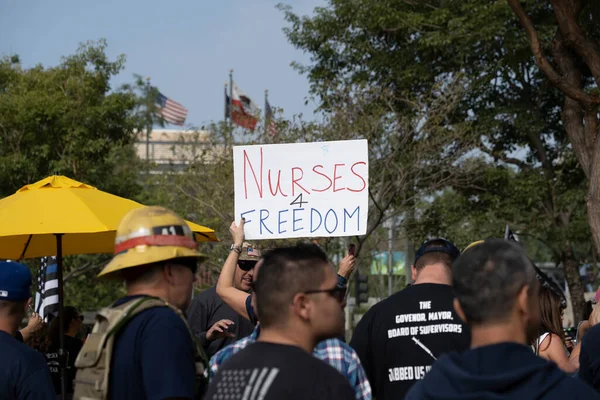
<point>61,325</point>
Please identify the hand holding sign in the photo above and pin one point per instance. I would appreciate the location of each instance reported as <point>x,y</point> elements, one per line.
<point>237,232</point>
<point>301,190</point>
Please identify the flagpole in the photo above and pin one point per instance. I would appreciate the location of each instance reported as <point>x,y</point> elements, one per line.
<point>149,124</point>
<point>266,102</point>
<point>226,102</point>
<point>230,100</point>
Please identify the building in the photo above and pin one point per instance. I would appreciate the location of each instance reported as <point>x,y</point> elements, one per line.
<point>171,149</point>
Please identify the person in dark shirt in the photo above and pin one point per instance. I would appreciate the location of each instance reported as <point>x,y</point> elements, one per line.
<point>589,358</point>
<point>497,294</point>
<point>154,352</point>
<point>215,323</point>
<point>299,304</point>
<point>24,374</point>
<point>72,326</point>
<point>399,338</point>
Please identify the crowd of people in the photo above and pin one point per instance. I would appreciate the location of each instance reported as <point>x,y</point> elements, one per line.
<point>477,324</point>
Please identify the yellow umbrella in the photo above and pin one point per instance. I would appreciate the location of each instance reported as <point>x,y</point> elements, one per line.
<point>57,216</point>
<point>86,217</point>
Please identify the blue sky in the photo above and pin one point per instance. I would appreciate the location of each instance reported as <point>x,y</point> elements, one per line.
<point>186,47</point>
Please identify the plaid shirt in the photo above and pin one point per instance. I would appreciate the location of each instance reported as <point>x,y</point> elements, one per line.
<point>332,351</point>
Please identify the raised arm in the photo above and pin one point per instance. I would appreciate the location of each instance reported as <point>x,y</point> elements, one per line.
<point>233,297</point>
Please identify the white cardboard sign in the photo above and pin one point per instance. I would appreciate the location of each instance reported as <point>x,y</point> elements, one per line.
<point>303,189</point>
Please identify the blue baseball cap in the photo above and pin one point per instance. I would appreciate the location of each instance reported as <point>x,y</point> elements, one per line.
<point>15,281</point>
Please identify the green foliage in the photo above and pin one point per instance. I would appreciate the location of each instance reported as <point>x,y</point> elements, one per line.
<point>68,120</point>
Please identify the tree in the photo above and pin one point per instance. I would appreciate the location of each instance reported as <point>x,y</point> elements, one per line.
<point>574,68</point>
<point>68,120</point>
<point>514,115</point>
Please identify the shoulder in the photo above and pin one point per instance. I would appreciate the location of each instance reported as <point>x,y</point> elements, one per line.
<point>335,348</point>
<point>28,359</point>
<point>575,388</point>
<point>156,320</point>
<point>592,337</point>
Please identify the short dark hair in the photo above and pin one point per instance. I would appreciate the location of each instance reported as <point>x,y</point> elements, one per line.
<point>286,272</point>
<point>487,278</point>
<point>434,257</point>
<point>10,308</point>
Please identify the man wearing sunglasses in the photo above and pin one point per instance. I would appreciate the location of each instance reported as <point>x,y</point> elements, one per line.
<point>333,351</point>
<point>299,305</point>
<point>214,322</point>
<point>399,338</point>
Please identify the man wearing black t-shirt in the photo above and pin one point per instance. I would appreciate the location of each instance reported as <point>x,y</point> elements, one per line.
<point>214,322</point>
<point>497,293</point>
<point>399,338</point>
<point>299,304</point>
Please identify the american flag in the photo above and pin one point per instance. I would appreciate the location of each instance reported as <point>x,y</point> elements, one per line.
<point>270,120</point>
<point>170,110</point>
<point>46,298</point>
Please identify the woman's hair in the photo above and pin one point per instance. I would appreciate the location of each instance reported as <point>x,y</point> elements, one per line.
<point>550,316</point>
<point>69,313</point>
<point>39,340</point>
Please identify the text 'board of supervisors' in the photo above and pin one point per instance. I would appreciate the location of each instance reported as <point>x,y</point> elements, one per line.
<point>303,189</point>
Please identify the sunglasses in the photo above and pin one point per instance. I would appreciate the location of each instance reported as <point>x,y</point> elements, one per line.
<point>80,318</point>
<point>246,265</point>
<point>338,293</point>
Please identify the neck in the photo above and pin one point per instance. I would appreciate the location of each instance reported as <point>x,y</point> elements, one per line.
<point>288,336</point>
<point>435,273</point>
<point>9,325</point>
<point>71,332</point>
<point>154,291</point>
<point>500,332</point>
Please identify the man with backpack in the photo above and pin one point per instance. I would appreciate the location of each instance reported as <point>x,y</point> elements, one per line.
<point>143,343</point>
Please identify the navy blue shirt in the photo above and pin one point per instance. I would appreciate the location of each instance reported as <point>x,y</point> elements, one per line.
<point>24,374</point>
<point>497,372</point>
<point>153,357</point>
<point>589,358</point>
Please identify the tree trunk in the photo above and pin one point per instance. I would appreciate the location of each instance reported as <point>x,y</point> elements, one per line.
<point>576,289</point>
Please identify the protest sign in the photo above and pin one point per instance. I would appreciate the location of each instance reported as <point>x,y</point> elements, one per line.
<point>303,189</point>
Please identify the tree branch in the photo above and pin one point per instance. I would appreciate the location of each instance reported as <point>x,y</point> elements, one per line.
<point>555,78</point>
<point>566,16</point>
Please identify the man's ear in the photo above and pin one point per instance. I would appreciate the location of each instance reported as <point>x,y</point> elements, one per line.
<point>27,304</point>
<point>301,306</point>
<point>459,310</point>
<point>413,272</point>
<point>524,301</point>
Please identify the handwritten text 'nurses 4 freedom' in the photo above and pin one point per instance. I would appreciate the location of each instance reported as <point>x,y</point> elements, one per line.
<point>302,189</point>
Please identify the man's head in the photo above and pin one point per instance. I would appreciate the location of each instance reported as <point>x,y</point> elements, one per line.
<point>156,254</point>
<point>246,267</point>
<point>171,280</point>
<point>15,294</point>
<point>437,252</point>
<point>297,287</point>
<point>495,284</point>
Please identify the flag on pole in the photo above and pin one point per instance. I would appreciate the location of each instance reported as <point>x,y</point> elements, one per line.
<point>227,110</point>
<point>244,111</point>
<point>171,111</point>
<point>46,298</point>
<point>270,120</point>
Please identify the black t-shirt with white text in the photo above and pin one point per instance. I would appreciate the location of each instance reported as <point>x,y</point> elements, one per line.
<point>72,348</point>
<point>399,338</point>
<point>272,371</point>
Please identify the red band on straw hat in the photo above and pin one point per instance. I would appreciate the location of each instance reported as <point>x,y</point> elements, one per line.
<point>157,240</point>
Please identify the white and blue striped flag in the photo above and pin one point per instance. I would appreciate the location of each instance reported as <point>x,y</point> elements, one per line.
<point>46,298</point>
